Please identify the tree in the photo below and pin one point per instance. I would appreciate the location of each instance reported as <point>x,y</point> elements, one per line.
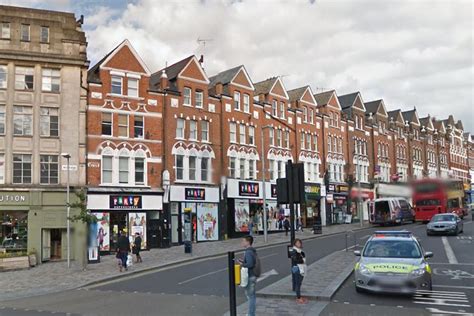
<point>84,217</point>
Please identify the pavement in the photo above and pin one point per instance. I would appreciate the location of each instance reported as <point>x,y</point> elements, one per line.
<point>56,277</point>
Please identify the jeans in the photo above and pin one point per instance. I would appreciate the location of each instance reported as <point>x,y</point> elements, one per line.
<point>250,293</point>
<point>123,258</point>
<point>297,280</point>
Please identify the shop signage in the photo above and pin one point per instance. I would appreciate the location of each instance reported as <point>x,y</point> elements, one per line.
<point>248,189</point>
<point>195,194</point>
<point>125,201</point>
<point>342,188</point>
<point>312,189</point>
<point>331,188</point>
<point>274,191</point>
<point>329,198</point>
<point>13,198</point>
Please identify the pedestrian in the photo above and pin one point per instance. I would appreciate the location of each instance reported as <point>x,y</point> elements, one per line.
<point>250,262</point>
<point>298,269</point>
<point>286,225</point>
<point>122,250</point>
<point>137,245</point>
<point>299,224</point>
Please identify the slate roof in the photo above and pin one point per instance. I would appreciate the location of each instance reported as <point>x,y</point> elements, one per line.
<point>347,100</point>
<point>409,115</point>
<point>263,87</point>
<point>437,124</point>
<point>93,72</point>
<point>323,97</point>
<point>296,94</point>
<point>225,76</point>
<point>424,121</point>
<point>392,115</point>
<point>171,71</point>
<point>449,121</point>
<point>459,125</point>
<point>372,106</point>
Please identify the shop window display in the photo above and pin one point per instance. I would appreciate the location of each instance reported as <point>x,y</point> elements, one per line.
<point>14,230</point>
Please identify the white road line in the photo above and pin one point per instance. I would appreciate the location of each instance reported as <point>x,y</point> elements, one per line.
<point>459,296</point>
<point>363,237</point>
<point>267,256</point>
<point>449,251</point>
<point>201,276</point>
<point>429,292</point>
<point>458,264</point>
<point>456,287</point>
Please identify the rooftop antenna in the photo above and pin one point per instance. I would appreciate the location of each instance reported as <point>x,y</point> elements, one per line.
<point>203,41</point>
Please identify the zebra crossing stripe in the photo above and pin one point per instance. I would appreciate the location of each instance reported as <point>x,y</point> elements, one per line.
<point>440,292</point>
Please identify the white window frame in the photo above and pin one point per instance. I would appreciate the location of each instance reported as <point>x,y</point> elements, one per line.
<point>49,165</point>
<point>2,119</point>
<point>21,74</point>
<point>133,91</point>
<point>51,80</point>
<point>115,84</point>
<point>275,108</point>
<point>204,131</point>
<point>124,157</point>
<point>251,135</point>
<point>271,136</point>
<point>45,118</point>
<point>27,28</point>
<point>103,170</point>
<point>233,132</point>
<point>232,171</point>
<point>187,93</point>
<point>237,100</point>
<point>23,162</point>
<point>177,169</point>
<point>180,131</point>
<point>137,159</point>
<point>193,171</point>
<point>122,125</point>
<point>193,130</point>
<point>242,134</point>
<point>278,138</point>
<point>26,130</point>
<point>6,30</point>
<point>47,34</point>
<point>246,103</point>
<point>142,127</point>
<point>287,139</point>
<point>3,76</point>
<point>282,110</point>
<point>111,123</point>
<point>2,168</point>
<point>199,96</point>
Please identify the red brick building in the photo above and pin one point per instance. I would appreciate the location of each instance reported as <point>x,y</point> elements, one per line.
<point>124,149</point>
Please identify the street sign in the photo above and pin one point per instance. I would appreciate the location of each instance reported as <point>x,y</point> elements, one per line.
<point>71,167</point>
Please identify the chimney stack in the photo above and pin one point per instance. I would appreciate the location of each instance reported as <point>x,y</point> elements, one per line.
<point>164,80</point>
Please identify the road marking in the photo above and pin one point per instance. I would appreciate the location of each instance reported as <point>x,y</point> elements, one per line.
<point>443,298</point>
<point>437,311</point>
<point>454,274</point>
<point>399,306</point>
<point>366,236</point>
<point>456,287</point>
<point>449,251</point>
<point>267,275</point>
<point>429,292</point>
<point>452,264</point>
<point>267,256</point>
<point>201,276</point>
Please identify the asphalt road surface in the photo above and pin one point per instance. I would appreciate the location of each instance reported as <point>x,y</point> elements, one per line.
<point>201,287</point>
<point>453,283</point>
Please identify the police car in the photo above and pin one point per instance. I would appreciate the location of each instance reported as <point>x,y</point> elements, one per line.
<point>394,262</point>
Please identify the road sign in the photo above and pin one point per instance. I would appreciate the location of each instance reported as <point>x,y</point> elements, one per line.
<point>71,167</point>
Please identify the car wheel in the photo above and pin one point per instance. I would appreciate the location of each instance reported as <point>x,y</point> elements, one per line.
<point>359,290</point>
<point>428,234</point>
<point>430,287</point>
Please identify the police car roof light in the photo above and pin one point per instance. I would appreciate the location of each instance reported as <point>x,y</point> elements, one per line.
<point>400,233</point>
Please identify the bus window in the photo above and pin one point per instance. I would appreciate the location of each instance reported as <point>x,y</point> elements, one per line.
<point>453,203</point>
<point>428,202</point>
<point>426,187</point>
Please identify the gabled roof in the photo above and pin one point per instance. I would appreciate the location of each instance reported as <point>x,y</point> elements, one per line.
<point>93,73</point>
<point>396,116</point>
<point>427,122</point>
<point>449,121</point>
<point>298,94</point>
<point>347,100</point>
<point>439,125</point>
<point>266,86</point>
<point>411,116</point>
<point>459,125</point>
<point>377,106</point>
<point>324,97</point>
<point>224,77</point>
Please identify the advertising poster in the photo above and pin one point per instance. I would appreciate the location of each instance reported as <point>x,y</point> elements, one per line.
<point>242,215</point>
<point>272,217</point>
<point>102,229</point>
<point>137,224</point>
<point>207,220</point>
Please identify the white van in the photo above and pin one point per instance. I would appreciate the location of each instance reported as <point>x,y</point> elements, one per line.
<point>393,210</point>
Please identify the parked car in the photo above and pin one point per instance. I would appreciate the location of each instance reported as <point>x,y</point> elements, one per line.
<point>445,224</point>
<point>391,210</point>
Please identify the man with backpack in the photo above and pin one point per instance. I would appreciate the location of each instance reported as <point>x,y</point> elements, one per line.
<point>252,263</point>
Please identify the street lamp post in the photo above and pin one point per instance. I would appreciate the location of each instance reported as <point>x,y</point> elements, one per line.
<point>265,220</point>
<point>359,194</point>
<point>68,211</point>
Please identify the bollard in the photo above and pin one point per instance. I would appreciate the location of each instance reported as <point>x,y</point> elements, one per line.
<point>232,277</point>
<point>237,273</point>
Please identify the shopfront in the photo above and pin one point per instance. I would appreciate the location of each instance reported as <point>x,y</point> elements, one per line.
<point>361,198</point>
<point>194,214</point>
<point>245,207</point>
<point>311,209</point>
<point>336,203</point>
<point>35,222</point>
<point>130,214</point>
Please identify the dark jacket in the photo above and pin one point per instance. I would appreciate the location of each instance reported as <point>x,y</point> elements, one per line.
<point>297,257</point>
<point>137,243</point>
<point>250,260</point>
<point>123,244</point>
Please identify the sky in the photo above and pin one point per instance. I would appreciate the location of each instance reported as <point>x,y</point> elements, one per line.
<point>410,53</point>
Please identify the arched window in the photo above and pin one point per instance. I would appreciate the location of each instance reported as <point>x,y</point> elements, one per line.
<point>124,160</point>
<point>107,165</point>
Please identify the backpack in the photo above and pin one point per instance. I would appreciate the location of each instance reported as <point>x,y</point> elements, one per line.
<point>257,269</point>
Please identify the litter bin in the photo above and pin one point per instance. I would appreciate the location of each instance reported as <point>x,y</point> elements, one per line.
<point>188,247</point>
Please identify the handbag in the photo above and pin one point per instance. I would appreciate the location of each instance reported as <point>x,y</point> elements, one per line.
<point>244,277</point>
<point>302,268</point>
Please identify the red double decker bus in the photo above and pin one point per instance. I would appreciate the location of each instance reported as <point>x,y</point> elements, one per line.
<point>434,196</point>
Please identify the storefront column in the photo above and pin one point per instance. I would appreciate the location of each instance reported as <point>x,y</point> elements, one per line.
<point>323,211</point>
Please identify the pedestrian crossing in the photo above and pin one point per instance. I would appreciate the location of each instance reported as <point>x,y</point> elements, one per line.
<point>465,239</point>
<point>444,302</point>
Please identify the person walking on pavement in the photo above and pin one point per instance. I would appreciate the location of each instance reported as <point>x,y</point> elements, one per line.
<point>286,225</point>
<point>137,245</point>
<point>250,261</point>
<point>123,248</point>
<point>298,269</point>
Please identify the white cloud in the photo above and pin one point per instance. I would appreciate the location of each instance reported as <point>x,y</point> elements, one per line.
<point>410,53</point>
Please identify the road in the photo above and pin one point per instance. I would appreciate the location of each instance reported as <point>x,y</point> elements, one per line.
<point>201,287</point>
<point>453,283</point>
